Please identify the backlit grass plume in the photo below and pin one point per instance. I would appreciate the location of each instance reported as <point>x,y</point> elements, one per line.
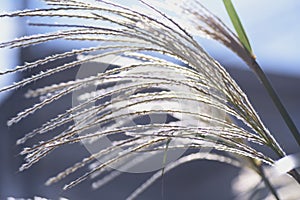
<point>157,70</point>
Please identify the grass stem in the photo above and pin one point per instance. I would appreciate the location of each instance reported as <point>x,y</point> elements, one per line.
<point>259,169</point>
<point>272,93</point>
<point>247,55</point>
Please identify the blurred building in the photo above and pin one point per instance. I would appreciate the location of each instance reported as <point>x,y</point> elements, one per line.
<point>196,180</point>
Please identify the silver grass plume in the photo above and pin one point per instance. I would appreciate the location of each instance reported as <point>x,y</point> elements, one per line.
<point>138,36</point>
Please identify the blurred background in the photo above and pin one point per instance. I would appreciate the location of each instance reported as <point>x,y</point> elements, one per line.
<point>273,29</point>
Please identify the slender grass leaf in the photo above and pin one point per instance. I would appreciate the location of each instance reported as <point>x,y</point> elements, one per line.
<point>237,25</point>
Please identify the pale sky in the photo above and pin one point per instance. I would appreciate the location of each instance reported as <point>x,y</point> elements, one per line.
<point>7,56</point>
<point>272,26</point>
<point>273,29</point>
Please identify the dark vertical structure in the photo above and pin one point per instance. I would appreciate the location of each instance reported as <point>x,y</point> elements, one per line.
<point>196,180</point>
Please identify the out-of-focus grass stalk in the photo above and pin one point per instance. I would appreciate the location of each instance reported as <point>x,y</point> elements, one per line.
<point>260,171</point>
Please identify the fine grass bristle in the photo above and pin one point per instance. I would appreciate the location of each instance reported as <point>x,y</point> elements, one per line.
<point>161,70</point>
